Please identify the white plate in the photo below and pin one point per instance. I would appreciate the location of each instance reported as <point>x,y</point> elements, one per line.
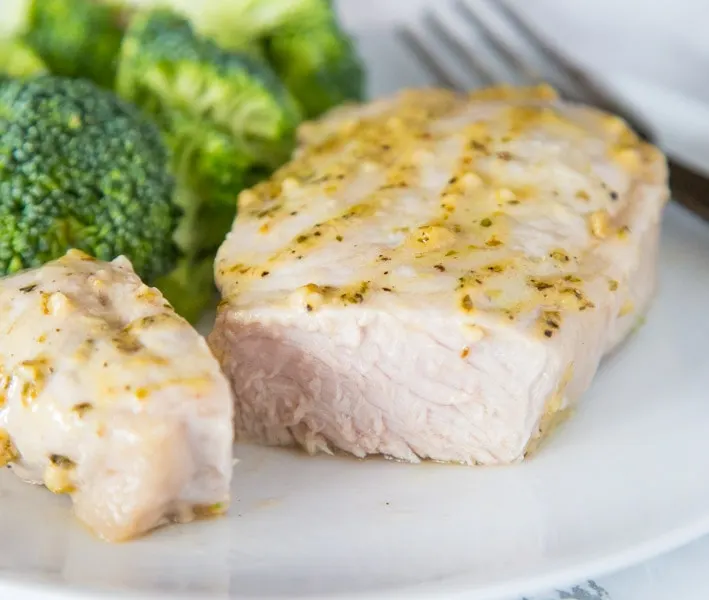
<point>625,479</point>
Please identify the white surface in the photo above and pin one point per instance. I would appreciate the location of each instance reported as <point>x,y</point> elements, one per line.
<point>624,480</point>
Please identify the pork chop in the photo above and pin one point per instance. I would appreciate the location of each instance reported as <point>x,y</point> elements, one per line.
<point>437,276</point>
<point>108,396</point>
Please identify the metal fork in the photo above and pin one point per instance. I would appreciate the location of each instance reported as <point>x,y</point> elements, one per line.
<point>689,187</point>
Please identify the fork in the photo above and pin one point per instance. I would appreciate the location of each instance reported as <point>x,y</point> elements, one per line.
<point>689,187</point>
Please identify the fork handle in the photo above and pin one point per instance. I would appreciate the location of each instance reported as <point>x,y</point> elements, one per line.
<point>689,188</point>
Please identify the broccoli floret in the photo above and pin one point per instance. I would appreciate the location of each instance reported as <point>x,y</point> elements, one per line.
<point>17,59</point>
<point>76,38</point>
<point>237,24</point>
<point>192,86</point>
<point>227,120</point>
<point>301,39</point>
<point>81,168</point>
<point>318,64</point>
<point>225,115</point>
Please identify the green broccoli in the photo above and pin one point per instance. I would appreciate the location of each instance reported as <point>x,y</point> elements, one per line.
<point>301,39</point>
<point>81,168</point>
<point>225,116</point>
<point>17,59</point>
<point>238,24</point>
<point>215,104</point>
<point>318,64</point>
<point>76,38</point>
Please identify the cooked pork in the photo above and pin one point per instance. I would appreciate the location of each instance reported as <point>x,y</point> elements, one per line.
<point>110,397</point>
<point>437,276</point>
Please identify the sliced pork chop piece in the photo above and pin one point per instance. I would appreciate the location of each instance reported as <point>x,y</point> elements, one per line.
<point>437,276</point>
<point>110,397</point>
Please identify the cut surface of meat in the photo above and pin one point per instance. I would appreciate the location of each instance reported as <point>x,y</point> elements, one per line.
<point>437,276</point>
<point>112,398</point>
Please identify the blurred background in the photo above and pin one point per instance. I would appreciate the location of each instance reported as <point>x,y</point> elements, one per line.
<point>653,53</point>
<point>654,39</point>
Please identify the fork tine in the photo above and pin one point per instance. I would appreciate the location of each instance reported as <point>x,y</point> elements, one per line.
<point>583,83</point>
<point>495,41</point>
<point>585,88</point>
<point>556,59</point>
<point>429,61</point>
<point>465,54</point>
